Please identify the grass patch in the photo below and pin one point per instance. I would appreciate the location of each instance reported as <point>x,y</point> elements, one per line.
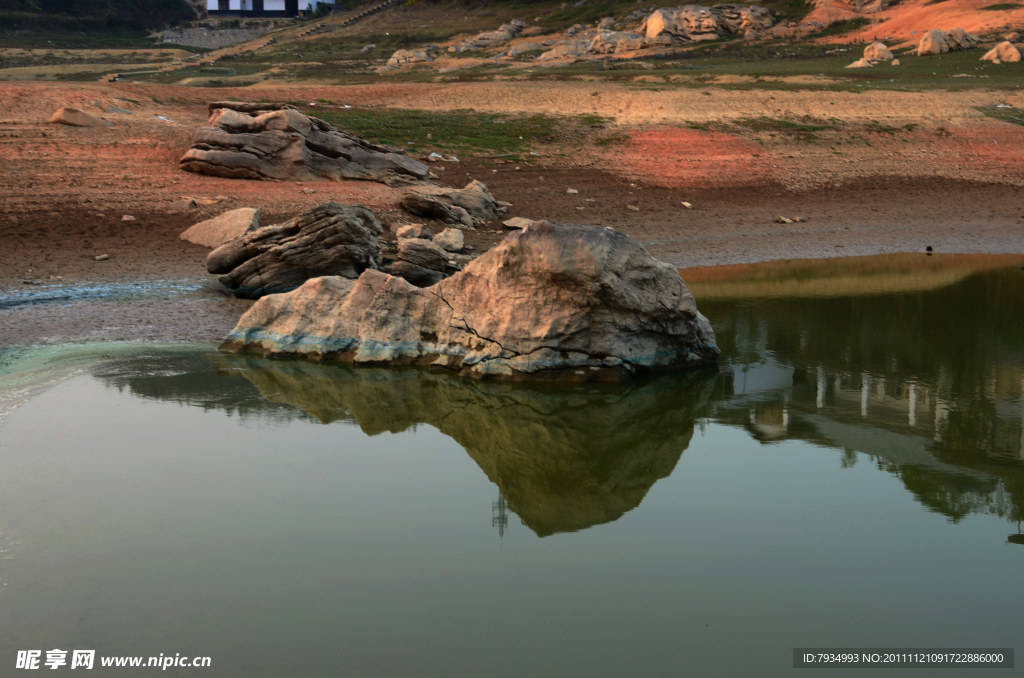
<point>798,130</point>
<point>999,6</point>
<point>879,128</point>
<point>845,26</point>
<point>1004,113</point>
<point>461,132</point>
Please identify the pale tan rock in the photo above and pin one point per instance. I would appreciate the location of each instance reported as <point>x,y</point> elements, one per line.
<point>895,62</point>
<point>414,231</point>
<point>933,42</point>
<point>450,239</point>
<point>219,230</point>
<point>861,63</point>
<point>569,301</point>
<point>694,22</point>
<point>518,222</point>
<point>877,51</point>
<point>472,206</point>
<point>958,38</point>
<point>76,118</point>
<point>1004,51</point>
<point>183,205</point>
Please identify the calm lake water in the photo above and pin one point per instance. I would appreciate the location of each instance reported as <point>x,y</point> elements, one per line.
<point>851,475</point>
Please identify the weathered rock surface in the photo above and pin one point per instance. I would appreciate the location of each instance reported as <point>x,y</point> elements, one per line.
<point>450,240</point>
<point>219,230</point>
<point>862,63</point>
<point>549,301</point>
<point>1004,51</point>
<point>489,38</point>
<point>518,222</point>
<point>877,51</point>
<point>414,231</point>
<point>564,459</point>
<point>940,42</point>
<point>470,206</point>
<point>275,141</point>
<point>696,22</point>
<point>330,239</point>
<point>76,118</point>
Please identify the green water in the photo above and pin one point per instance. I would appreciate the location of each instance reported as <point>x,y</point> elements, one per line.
<point>851,475</point>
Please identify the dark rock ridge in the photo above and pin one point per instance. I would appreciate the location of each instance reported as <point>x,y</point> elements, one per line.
<point>330,239</point>
<point>566,302</point>
<point>276,141</point>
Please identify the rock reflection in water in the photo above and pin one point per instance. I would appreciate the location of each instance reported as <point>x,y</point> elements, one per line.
<point>563,458</point>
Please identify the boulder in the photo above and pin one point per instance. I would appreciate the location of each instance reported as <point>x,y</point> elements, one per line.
<point>405,57</point>
<point>1004,51</point>
<point>423,253</point>
<point>550,301</point>
<point>470,206</point>
<point>219,230</point>
<point>450,240</point>
<point>940,42</point>
<point>695,22</point>
<point>895,62</point>
<point>76,118</point>
<point>330,239</point>
<point>877,51</point>
<point>524,47</point>
<point>276,141</point>
<point>518,222</point>
<point>608,42</point>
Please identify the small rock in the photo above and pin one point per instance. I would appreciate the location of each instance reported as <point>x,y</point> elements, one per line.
<point>127,217</point>
<point>571,190</point>
<point>633,207</point>
<point>76,118</point>
<point>687,205</point>
<point>102,257</point>
<point>895,62</point>
<point>450,240</point>
<point>414,231</point>
<point>308,191</point>
<point>182,205</point>
<point>783,220</point>
<point>518,222</point>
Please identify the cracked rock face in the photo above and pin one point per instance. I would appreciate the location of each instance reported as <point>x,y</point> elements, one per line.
<point>330,239</point>
<point>276,141</point>
<point>551,301</point>
<point>470,206</point>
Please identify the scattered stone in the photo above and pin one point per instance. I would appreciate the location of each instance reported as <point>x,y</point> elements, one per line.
<point>783,220</point>
<point>102,257</point>
<point>470,206</point>
<point>127,217</point>
<point>76,118</point>
<point>1003,52</point>
<point>518,222</point>
<point>571,190</point>
<point>308,191</point>
<point>862,63</point>
<point>451,240</point>
<point>367,48</point>
<point>182,205</point>
<point>549,302</point>
<point>275,141</point>
<point>330,239</point>
<point>895,62</point>
<point>633,207</point>
<point>224,228</point>
<point>687,205</point>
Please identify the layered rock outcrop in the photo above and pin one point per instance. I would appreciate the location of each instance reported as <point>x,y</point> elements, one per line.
<point>1003,52</point>
<point>574,302</point>
<point>276,141</point>
<point>330,239</point>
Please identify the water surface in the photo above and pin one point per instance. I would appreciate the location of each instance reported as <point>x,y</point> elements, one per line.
<point>851,475</point>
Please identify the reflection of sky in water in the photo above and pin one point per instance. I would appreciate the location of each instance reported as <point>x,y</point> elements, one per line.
<point>185,501</point>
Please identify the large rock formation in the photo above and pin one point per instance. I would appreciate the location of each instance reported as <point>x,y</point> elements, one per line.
<point>565,460</point>
<point>276,141</point>
<point>696,22</point>
<point>76,118</point>
<point>573,302</point>
<point>327,240</point>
